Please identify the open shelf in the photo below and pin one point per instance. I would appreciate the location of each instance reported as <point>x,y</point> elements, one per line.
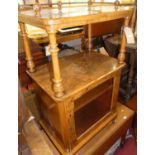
<point>91,113</point>
<point>92,94</point>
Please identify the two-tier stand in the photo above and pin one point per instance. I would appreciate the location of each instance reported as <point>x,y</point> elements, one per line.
<point>77,94</point>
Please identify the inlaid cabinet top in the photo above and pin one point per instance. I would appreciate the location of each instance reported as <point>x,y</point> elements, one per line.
<point>74,16</point>
<point>80,73</point>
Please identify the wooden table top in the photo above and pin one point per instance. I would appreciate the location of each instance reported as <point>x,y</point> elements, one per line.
<point>80,73</point>
<point>74,16</point>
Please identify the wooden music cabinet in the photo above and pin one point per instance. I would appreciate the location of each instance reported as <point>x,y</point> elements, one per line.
<point>83,96</point>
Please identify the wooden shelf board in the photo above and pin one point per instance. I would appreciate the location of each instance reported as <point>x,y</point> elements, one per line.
<point>93,94</point>
<point>90,114</point>
<point>69,17</point>
<point>60,37</point>
<point>80,73</point>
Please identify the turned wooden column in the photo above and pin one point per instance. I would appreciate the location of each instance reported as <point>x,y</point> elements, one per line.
<point>59,3</point>
<point>29,58</point>
<point>131,74</point>
<point>57,82</point>
<point>83,47</point>
<point>89,37</point>
<point>50,3</point>
<point>89,29</point>
<point>89,3</point>
<point>37,8</point>
<point>133,20</point>
<point>121,56</point>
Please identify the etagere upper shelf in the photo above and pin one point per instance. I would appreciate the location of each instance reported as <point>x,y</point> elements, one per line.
<point>73,16</point>
<point>53,19</point>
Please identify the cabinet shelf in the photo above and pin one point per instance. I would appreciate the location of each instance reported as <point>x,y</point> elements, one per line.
<point>91,113</point>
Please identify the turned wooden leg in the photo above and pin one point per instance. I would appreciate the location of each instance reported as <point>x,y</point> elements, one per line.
<point>57,82</point>
<point>133,20</point>
<point>89,37</point>
<point>83,41</point>
<point>121,56</point>
<point>29,59</point>
<point>130,75</point>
